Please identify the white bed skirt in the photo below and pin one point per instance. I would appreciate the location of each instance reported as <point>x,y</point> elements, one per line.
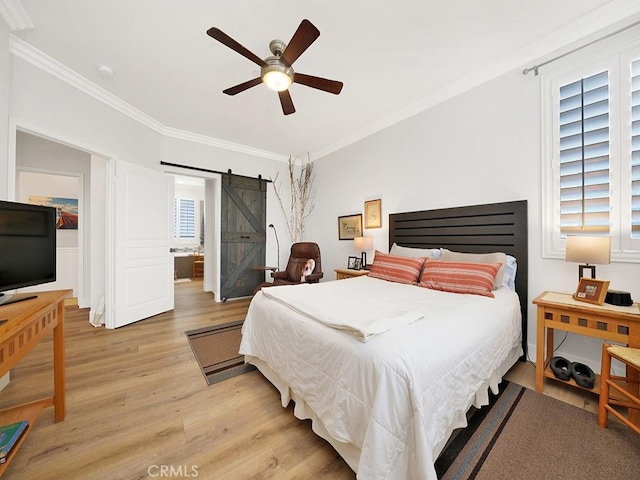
<point>349,452</point>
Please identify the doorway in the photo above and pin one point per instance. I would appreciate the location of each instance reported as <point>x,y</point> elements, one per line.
<point>189,229</point>
<point>61,173</point>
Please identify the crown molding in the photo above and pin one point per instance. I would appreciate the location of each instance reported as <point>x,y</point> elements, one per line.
<point>39,59</point>
<point>15,15</point>
<point>216,142</point>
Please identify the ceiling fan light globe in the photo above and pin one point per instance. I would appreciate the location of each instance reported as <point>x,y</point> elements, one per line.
<point>277,81</point>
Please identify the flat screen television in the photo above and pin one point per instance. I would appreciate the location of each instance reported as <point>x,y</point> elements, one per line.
<point>27,248</point>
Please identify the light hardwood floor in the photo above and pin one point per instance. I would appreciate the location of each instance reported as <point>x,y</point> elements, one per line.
<point>138,406</point>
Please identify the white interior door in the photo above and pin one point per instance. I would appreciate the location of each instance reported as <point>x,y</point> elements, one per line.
<point>142,225</point>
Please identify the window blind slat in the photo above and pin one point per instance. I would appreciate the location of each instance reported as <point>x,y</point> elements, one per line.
<point>584,154</point>
<point>635,149</point>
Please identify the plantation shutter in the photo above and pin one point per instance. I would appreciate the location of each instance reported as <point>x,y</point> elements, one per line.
<point>635,149</point>
<point>184,218</point>
<point>584,155</point>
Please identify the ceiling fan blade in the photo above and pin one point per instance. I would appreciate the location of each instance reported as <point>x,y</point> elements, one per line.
<point>243,86</point>
<point>225,39</point>
<point>305,35</point>
<point>331,86</point>
<point>286,102</point>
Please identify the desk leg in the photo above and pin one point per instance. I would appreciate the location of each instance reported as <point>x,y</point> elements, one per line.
<point>540,351</point>
<point>59,401</point>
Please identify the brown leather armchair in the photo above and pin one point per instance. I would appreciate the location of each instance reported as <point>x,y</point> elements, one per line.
<point>300,253</point>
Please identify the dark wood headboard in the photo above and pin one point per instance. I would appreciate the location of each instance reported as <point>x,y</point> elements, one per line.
<point>494,227</point>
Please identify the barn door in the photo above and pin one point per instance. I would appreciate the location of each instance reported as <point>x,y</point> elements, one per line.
<point>242,243</point>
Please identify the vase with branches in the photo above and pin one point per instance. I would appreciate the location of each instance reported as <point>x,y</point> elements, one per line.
<point>300,199</point>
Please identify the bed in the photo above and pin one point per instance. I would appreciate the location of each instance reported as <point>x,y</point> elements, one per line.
<point>386,371</point>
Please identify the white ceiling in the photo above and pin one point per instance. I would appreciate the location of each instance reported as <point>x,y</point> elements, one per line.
<point>395,58</point>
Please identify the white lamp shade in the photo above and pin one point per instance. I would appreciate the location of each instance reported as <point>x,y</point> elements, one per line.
<point>586,249</point>
<point>363,244</point>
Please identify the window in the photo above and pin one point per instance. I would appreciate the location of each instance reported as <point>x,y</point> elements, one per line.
<point>591,136</point>
<point>635,149</point>
<point>584,155</point>
<point>184,218</point>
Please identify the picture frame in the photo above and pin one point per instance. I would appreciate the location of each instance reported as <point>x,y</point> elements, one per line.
<point>591,290</point>
<point>373,214</point>
<point>351,263</point>
<point>358,265</point>
<point>349,227</point>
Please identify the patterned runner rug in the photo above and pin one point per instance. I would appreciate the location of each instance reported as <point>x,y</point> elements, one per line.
<point>216,350</point>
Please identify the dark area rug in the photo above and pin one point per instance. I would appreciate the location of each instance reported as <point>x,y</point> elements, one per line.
<point>525,435</point>
<point>216,350</point>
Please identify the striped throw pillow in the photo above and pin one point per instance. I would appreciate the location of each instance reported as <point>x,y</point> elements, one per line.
<point>396,269</point>
<point>460,277</point>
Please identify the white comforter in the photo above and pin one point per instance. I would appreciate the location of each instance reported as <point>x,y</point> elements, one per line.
<point>362,312</point>
<point>397,397</point>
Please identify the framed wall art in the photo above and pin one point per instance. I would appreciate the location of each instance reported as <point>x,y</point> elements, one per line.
<point>373,214</point>
<point>591,290</point>
<point>349,227</point>
<point>66,210</point>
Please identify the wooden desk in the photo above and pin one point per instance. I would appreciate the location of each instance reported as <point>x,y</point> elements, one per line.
<point>559,311</point>
<point>28,322</point>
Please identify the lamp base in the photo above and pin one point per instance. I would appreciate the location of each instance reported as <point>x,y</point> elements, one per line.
<point>582,268</point>
<point>364,260</point>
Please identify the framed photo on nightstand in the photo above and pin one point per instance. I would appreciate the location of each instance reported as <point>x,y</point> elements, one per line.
<point>591,290</point>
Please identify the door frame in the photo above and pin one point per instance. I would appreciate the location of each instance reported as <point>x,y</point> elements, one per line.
<point>17,124</point>
<point>213,181</point>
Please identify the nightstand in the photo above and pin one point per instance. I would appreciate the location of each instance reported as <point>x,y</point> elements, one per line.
<point>342,273</point>
<point>559,311</point>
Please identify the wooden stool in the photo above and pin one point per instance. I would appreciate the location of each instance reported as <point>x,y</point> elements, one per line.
<point>197,270</point>
<point>630,399</point>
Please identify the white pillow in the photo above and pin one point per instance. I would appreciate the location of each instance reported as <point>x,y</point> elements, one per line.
<point>509,280</point>
<point>496,257</point>
<point>410,252</point>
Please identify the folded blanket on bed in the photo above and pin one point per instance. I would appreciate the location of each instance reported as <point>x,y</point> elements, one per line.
<point>356,306</point>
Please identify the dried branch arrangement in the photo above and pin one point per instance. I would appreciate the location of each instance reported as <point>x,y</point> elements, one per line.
<point>301,198</point>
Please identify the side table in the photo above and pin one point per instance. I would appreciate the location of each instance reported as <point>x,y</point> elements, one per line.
<point>342,273</point>
<point>559,311</point>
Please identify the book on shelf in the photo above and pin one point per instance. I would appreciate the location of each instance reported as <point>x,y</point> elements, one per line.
<point>9,436</point>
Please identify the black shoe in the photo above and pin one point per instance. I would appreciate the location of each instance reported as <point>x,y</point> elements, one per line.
<point>583,375</point>
<point>561,368</point>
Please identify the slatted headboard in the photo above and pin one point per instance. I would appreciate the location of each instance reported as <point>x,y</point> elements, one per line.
<point>495,227</point>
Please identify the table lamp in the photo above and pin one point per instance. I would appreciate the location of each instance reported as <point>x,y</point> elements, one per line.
<point>363,244</point>
<point>588,251</point>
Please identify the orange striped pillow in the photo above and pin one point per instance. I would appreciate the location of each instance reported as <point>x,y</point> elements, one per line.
<point>396,269</point>
<point>460,277</point>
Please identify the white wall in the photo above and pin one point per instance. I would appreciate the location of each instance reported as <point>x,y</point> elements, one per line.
<point>67,252</point>
<point>4,105</point>
<point>483,146</point>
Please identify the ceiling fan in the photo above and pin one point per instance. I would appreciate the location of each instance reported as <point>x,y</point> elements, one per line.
<point>276,71</point>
